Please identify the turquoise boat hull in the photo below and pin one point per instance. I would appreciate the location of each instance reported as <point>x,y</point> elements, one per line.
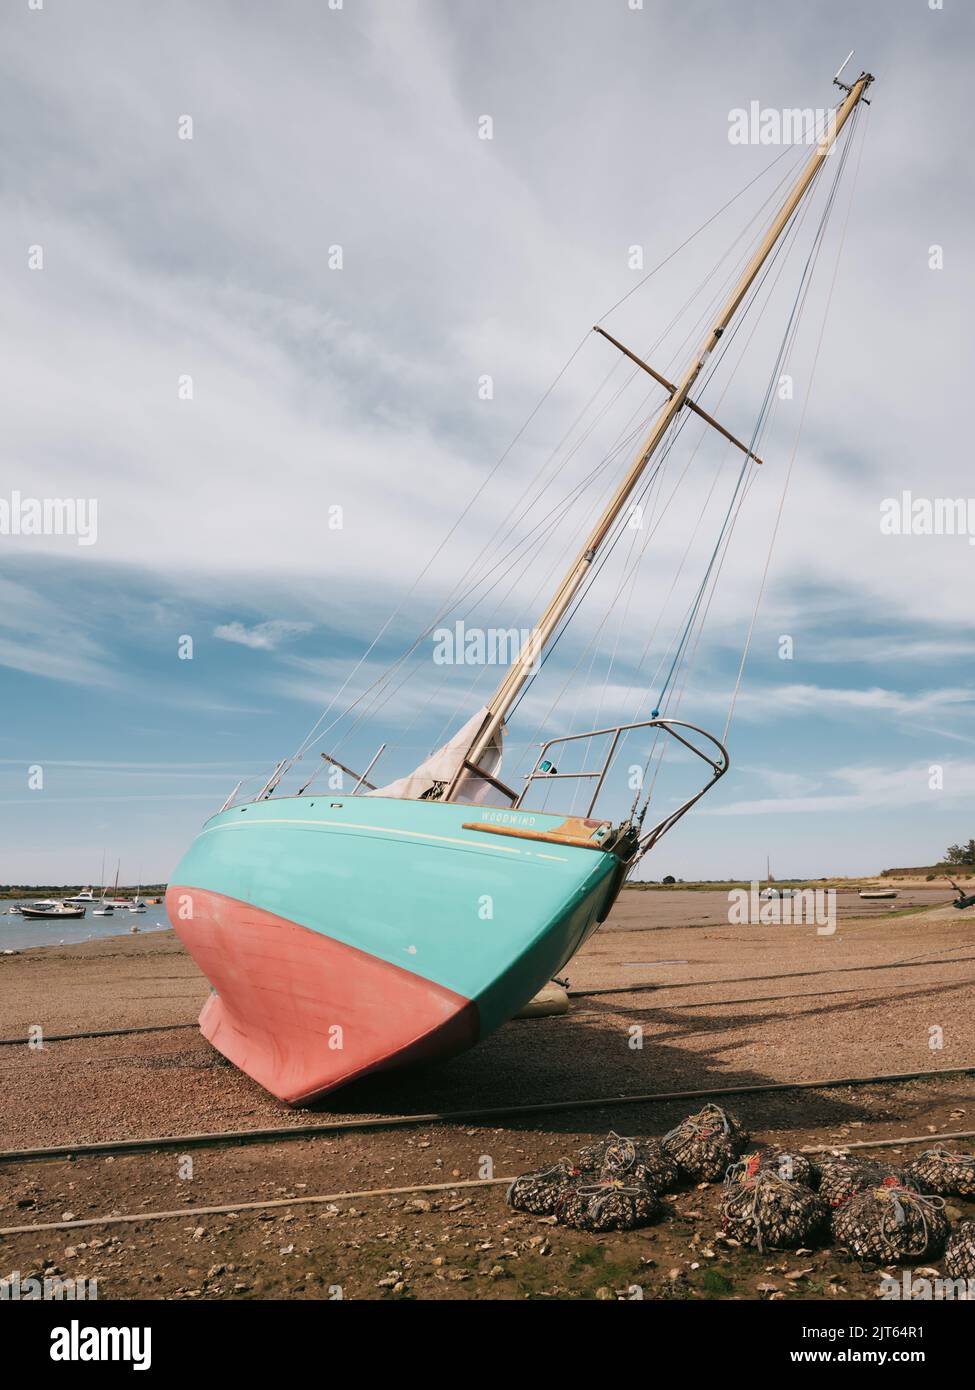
<point>343,936</point>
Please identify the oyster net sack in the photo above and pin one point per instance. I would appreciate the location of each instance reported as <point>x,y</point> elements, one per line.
<point>770,1212</point>
<point>705,1144</point>
<point>620,1180</point>
<point>791,1167</point>
<point>538,1192</point>
<point>944,1173</point>
<point>842,1176</point>
<point>608,1206</point>
<point>636,1160</point>
<point>960,1252</point>
<point>891,1223</point>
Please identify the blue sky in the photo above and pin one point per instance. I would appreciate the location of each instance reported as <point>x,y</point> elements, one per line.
<point>316,388</point>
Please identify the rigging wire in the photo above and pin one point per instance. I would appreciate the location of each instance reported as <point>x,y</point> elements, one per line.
<point>795,446</point>
<point>787,244</point>
<point>751,476</point>
<point>716,359</point>
<point>685,636</point>
<point>372,645</point>
<point>788,344</point>
<point>696,607</point>
<point>700,229</point>
<point>453,600</point>
<point>306,743</point>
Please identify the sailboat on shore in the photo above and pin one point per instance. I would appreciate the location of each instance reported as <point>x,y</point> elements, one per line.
<point>344,933</point>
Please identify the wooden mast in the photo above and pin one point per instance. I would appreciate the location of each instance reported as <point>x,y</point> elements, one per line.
<point>518,673</point>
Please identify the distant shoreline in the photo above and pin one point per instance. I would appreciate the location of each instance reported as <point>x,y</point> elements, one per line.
<point>886,878</point>
<point>67,890</point>
<point>934,877</point>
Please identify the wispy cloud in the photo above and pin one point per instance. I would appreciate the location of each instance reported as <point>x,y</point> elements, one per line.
<point>865,788</point>
<point>890,648</point>
<point>265,637</point>
<point>771,701</point>
<point>40,657</point>
<point>40,639</point>
<point>175,769</point>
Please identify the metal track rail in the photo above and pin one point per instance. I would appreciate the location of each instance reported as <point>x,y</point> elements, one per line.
<point>181,1213</point>
<point>757,979</point>
<point>100,1033</point>
<point>264,1136</point>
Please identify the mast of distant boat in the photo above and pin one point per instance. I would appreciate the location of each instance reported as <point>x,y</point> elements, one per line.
<point>526,662</point>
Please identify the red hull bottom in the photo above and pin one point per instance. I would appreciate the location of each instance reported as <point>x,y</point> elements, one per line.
<point>302,1013</point>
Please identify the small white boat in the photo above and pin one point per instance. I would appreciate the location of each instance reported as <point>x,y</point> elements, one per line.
<point>104,910</point>
<point>879,893</point>
<point>86,896</point>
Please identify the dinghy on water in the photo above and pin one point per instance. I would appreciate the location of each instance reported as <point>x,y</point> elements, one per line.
<point>341,932</point>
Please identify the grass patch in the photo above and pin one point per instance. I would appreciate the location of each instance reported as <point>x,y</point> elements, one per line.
<point>714,1284</point>
<point>592,1255</point>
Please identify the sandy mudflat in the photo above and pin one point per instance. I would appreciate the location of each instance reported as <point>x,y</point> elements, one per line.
<point>731,1006</point>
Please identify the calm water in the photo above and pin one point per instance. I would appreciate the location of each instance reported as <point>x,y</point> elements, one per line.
<point>18,932</point>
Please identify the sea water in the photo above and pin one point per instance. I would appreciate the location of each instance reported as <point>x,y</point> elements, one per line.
<point>18,933</point>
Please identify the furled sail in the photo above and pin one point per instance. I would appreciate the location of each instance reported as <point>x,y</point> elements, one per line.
<point>430,780</point>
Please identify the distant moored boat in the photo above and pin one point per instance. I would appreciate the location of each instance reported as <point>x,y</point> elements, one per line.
<point>52,908</point>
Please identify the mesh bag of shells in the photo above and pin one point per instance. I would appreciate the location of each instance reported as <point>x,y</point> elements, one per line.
<point>705,1144</point>
<point>538,1192</point>
<point>890,1223</point>
<point>610,1205</point>
<point>614,1150</point>
<point>960,1252</point>
<point>945,1173</point>
<point>842,1176</point>
<point>764,1209</point>
<point>637,1160</point>
<point>791,1167</point>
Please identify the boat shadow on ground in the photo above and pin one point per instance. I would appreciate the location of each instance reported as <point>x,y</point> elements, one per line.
<point>593,1054</point>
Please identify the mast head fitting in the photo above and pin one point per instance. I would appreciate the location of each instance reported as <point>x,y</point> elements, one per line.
<point>865,77</point>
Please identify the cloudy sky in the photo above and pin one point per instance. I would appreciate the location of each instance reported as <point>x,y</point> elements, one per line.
<point>278,443</point>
